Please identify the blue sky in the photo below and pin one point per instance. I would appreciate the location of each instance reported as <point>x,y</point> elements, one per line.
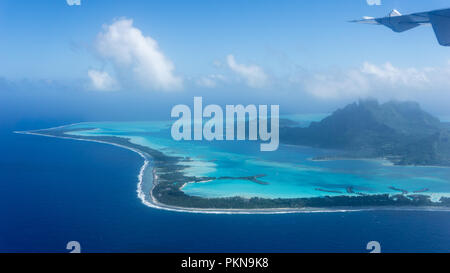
<point>196,33</point>
<point>306,48</point>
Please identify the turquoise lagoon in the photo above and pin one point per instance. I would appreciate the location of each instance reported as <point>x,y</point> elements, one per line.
<point>289,171</point>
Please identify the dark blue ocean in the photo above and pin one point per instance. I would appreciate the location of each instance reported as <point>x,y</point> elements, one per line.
<point>53,191</point>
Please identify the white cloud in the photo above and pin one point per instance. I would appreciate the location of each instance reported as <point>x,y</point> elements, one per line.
<point>210,81</point>
<point>380,81</point>
<point>335,84</point>
<point>388,74</point>
<point>206,82</point>
<point>102,81</point>
<point>252,74</point>
<point>136,55</point>
<point>73,2</point>
<point>373,2</point>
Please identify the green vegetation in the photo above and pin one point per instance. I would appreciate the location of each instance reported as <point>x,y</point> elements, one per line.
<point>399,131</point>
<point>171,178</point>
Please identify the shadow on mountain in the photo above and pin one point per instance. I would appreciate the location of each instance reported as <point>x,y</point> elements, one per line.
<point>399,131</point>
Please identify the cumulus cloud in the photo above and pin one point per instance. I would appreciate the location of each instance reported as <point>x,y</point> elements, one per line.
<point>102,81</point>
<point>73,2</point>
<point>385,80</point>
<point>137,56</point>
<point>254,76</point>
<point>373,2</point>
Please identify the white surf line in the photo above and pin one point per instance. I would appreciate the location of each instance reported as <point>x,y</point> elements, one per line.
<point>31,132</point>
<point>157,205</point>
<point>140,193</point>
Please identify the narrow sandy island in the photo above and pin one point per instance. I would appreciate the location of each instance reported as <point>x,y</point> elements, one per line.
<point>149,175</point>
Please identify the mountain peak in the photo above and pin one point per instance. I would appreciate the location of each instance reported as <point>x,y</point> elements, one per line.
<point>404,117</point>
<point>370,128</point>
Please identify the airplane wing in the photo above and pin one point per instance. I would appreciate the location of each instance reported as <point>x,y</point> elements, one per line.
<point>439,19</point>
